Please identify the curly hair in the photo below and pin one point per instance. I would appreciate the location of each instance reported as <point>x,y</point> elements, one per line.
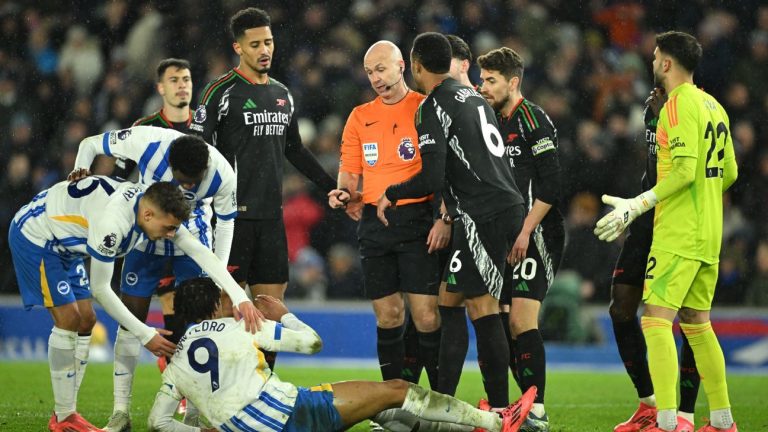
<point>433,51</point>
<point>189,154</point>
<point>682,47</point>
<point>169,199</point>
<point>196,300</point>
<point>247,19</point>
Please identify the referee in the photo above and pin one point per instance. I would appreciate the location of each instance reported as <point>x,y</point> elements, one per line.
<point>249,117</point>
<point>379,145</point>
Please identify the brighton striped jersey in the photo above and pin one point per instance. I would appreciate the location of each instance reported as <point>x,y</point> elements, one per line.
<point>218,367</point>
<point>95,216</point>
<point>149,146</point>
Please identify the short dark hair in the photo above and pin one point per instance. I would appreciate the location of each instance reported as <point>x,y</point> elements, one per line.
<point>189,154</point>
<point>168,197</point>
<point>433,51</point>
<point>459,49</point>
<point>170,62</point>
<point>247,19</point>
<point>503,60</point>
<point>196,300</point>
<point>682,47</point>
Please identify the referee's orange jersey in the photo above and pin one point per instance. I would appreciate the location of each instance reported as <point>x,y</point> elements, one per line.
<point>380,142</point>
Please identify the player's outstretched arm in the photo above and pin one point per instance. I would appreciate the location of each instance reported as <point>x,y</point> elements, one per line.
<point>291,334</point>
<point>101,275</point>
<point>217,270</point>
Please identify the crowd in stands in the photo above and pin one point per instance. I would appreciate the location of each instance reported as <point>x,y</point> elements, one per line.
<point>79,67</point>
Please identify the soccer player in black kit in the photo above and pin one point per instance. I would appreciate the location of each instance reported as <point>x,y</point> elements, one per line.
<point>627,291</point>
<point>248,116</point>
<point>463,155</point>
<point>531,146</point>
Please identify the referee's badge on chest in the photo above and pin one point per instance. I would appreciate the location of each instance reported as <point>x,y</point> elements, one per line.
<point>371,153</point>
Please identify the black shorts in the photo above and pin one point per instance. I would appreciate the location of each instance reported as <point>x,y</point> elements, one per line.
<point>533,277</point>
<point>259,252</point>
<point>479,253</point>
<point>630,267</point>
<point>395,258</point>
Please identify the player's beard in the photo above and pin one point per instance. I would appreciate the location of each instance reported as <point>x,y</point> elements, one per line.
<point>499,104</point>
<point>658,81</point>
<point>182,104</point>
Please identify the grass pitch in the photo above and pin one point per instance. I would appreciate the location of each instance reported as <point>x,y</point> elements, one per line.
<point>576,401</point>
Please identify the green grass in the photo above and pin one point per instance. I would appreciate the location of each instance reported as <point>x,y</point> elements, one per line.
<point>576,401</point>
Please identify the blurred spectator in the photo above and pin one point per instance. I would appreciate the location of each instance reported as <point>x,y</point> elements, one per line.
<point>15,190</point>
<point>81,59</point>
<point>300,214</point>
<point>345,275</point>
<point>591,258</point>
<point>757,292</point>
<point>307,276</point>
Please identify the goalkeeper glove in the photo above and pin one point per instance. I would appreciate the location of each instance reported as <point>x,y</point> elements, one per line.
<point>625,211</point>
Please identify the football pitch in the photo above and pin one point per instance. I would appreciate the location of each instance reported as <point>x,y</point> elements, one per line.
<point>576,401</point>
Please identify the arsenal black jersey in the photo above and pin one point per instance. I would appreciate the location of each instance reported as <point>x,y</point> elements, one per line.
<point>531,145</point>
<point>456,122</point>
<point>649,176</point>
<point>252,125</point>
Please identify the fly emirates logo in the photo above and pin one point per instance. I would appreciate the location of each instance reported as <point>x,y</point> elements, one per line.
<point>266,122</point>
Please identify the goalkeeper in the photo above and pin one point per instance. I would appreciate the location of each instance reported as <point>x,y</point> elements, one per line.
<point>696,163</point>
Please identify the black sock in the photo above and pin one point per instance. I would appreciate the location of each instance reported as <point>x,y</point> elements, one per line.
<point>633,352</point>
<point>512,344</point>
<point>531,362</point>
<point>493,358</point>
<point>429,352</point>
<point>689,378</point>
<point>270,357</point>
<point>411,363</point>
<point>176,326</point>
<point>454,343</point>
<point>389,345</point>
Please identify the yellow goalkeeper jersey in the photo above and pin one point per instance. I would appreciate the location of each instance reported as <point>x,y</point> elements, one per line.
<point>690,222</point>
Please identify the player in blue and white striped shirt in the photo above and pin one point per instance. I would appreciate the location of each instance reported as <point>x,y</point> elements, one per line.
<point>206,180</point>
<point>101,218</point>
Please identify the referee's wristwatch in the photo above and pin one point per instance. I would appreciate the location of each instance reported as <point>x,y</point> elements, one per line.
<point>445,217</point>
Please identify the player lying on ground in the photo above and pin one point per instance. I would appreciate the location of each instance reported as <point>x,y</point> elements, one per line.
<point>217,366</point>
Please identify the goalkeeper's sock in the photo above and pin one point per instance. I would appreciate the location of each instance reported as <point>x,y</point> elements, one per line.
<point>531,363</point>
<point>389,346</point>
<point>82,351</point>
<point>633,352</point>
<point>429,351</point>
<point>61,362</point>
<point>437,407</point>
<point>127,349</point>
<point>666,419</point>
<point>412,364</point>
<point>721,418</point>
<point>454,343</point>
<point>493,358</point>
<point>662,360</point>
<point>710,362</point>
<point>689,378</point>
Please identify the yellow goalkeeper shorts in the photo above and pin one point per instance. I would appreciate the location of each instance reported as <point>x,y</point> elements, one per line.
<point>673,282</point>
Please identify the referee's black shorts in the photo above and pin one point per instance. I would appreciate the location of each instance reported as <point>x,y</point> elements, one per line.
<point>395,257</point>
